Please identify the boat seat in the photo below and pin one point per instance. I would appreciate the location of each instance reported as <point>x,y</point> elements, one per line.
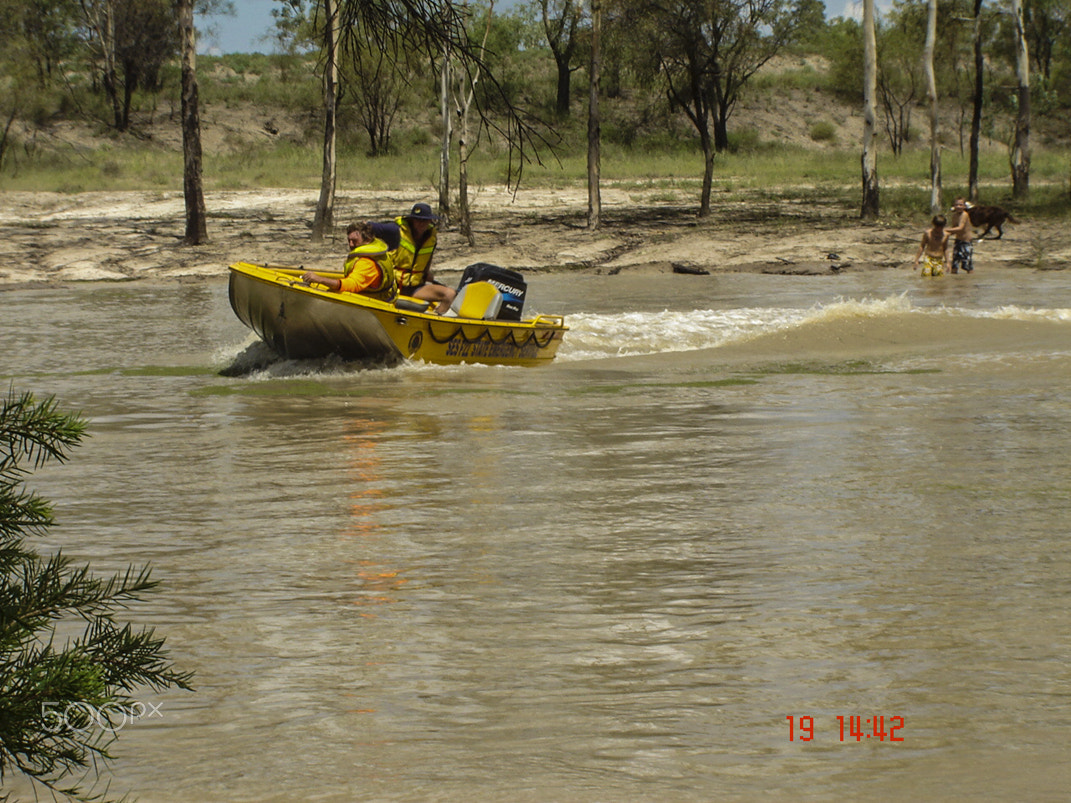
<point>477,300</point>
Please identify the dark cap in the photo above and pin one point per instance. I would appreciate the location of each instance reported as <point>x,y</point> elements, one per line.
<point>422,212</point>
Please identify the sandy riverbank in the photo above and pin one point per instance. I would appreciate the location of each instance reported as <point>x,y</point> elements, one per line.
<point>50,238</point>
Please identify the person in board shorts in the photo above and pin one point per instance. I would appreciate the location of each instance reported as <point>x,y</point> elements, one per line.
<point>933,250</point>
<point>962,231</point>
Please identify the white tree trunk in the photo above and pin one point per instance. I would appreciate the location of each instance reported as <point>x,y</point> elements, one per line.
<point>1020,154</point>
<point>594,123</point>
<point>976,104</point>
<point>324,220</point>
<point>464,103</point>
<point>870,90</point>
<point>448,138</point>
<point>931,94</point>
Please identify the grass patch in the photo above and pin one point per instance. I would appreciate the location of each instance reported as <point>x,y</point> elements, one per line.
<point>753,171</point>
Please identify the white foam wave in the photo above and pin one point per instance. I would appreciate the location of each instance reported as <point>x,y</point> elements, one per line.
<point>1014,313</point>
<point>593,336</point>
<point>596,336</point>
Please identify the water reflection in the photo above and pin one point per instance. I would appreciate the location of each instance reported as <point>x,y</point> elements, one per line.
<point>369,496</point>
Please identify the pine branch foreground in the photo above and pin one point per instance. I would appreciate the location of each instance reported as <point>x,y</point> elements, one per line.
<point>62,701</point>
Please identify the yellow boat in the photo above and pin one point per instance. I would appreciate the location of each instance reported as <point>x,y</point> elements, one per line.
<point>302,321</point>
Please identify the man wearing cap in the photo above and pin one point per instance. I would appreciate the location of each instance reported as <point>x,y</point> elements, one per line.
<point>412,239</point>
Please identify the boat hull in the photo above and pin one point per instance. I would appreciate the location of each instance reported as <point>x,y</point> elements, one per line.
<point>302,322</point>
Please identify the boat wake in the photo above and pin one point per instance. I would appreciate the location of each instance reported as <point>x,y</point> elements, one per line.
<point>892,321</point>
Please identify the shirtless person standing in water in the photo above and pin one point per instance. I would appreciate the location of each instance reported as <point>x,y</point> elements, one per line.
<point>962,230</point>
<point>933,249</point>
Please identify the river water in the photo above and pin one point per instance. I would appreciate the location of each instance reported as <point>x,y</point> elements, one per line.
<point>737,512</point>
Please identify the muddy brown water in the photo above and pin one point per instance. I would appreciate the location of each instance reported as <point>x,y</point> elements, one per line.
<point>736,514</point>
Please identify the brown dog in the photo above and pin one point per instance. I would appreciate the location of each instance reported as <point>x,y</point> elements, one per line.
<point>991,217</point>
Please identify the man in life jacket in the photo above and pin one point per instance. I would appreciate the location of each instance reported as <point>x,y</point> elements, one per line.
<point>411,240</point>
<point>368,269</point>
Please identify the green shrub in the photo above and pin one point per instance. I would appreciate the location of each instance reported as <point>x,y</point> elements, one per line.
<point>744,140</point>
<point>823,131</point>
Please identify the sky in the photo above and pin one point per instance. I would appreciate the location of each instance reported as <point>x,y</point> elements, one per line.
<point>250,29</point>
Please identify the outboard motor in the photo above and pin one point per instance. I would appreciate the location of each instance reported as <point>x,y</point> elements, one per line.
<point>510,283</point>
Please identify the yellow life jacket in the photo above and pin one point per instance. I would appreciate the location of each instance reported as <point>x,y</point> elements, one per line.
<point>386,289</point>
<point>411,263</point>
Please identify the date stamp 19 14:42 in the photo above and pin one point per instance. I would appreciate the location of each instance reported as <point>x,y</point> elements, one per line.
<point>851,728</point>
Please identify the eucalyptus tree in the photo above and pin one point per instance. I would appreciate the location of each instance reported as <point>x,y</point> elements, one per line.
<point>594,119</point>
<point>960,42</point>
<point>977,99</point>
<point>193,188</point>
<point>38,37</point>
<point>424,30</point>
<point>1020,151</point>
<point>871,206</point>
<point>192,183</point>
<point>376,82</point>
<point>561,22</point>
<point>1048,29</point>
<point>706,51</point>
<point>446,139</point>
<point>464,92</point>
<point>511,42</point>
<point>1047,25</point>
<point>295,35</point>
<point>412,31</point>
<point>26,64</point>
<point>931,95</point>
<point>295,29</point>
<point>316,24</point>
<point>129,41</point>
<point>842,43</point>
<point>324,218</point>
<point>901,76</point>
